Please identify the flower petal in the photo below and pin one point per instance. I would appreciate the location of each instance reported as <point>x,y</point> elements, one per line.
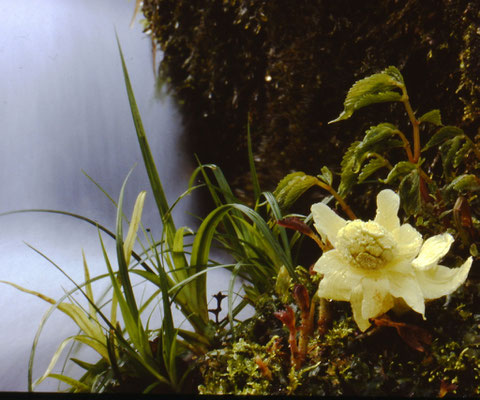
<point>409,241</point>
<point>432,251</point>
<point>330,261</point>
<point>388,204</point>
<point>327,222</point>
<point>356,300</point>
<point>406,287</point>
<point>440,281</point>
<point>376,298</point>
<point>338,284</point>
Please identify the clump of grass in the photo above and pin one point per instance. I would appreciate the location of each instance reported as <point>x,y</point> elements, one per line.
<point>296,343</point>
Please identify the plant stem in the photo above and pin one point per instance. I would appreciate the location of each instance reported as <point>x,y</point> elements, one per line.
<point>323,316</point>
<point>342,203</point>
<point>406,145</point>
<point>424,175</point>
<point>415,124</point>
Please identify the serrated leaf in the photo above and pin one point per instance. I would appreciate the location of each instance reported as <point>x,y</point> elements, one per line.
<point>348,177</point>
<point>444,133</point>
<point>460,155</point>
<point>348,180</point>
<point>292,187</point>
<point>326,175</point>
<point>349,156</point>
<point>448,151</point>
<point>468,182</point>
<point>285,181</point>
<point>370,168</point>
<point>433,117</point>
<point>375,139</point>
<point>399,171</point>
<point>377,88</point>
<point>409,192</point>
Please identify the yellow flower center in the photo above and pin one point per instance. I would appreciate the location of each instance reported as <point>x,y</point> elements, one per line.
<point>366,245</point>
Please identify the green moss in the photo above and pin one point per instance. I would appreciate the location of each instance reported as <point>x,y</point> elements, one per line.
<point>345,362</point>
<point>245,368</point>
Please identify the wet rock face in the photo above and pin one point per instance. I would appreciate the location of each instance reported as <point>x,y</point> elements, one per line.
<point>290,64</point>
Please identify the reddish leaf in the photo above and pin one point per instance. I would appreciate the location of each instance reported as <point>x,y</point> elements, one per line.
<point>296,224</point>
<point>445,388</point>
<point>301,296</point>
<point>412,335</point>
<point>263,367</point>
<point>287,317</point>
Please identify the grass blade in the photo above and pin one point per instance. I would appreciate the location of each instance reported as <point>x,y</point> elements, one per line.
<point>149,162</point>
<point>134,224</point>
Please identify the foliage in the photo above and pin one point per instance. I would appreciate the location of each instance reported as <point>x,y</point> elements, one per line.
<point>223,59</point>
<point>344,362</point>
<point>296,343</point>
<point>250,369</point>
<point>136,357</point>
<point>383,361</point>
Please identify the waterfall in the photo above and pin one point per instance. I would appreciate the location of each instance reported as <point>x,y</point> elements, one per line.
<point>64,109</point>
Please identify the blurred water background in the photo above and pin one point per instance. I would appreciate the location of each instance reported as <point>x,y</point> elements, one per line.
<point>64,109</point>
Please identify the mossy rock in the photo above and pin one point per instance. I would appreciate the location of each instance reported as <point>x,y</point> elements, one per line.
<point>346,362</point>
<point>289,64</point>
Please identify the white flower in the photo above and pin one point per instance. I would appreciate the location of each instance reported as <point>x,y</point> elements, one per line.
<point>378,264</point>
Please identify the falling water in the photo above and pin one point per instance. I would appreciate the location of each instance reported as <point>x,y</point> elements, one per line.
<point>63,109</point>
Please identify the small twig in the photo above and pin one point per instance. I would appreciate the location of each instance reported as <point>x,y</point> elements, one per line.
<point>287,317</point>
<point>300,294</point>
<point>415,125</point>
<point>406,145</point>
<point>323,316</point>
<point>216,311</point>
<point>342,203</point>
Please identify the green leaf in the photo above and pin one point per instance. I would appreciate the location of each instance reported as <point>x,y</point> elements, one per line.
<point>409,192</point>
<point>348,177</point>
<point>432,117</point>
<point>461,154</point>
<point>282,285</point>
<point>448,151</point>
<point>444,133</point>
<point>81,338</point>
<point>79,316</point>
<point>152,172</point>
<point>205,234</point>
<point>292,187</point>
<point>377,88</point>
<point>168,333</point>
<point>122,264</point>
<point>375,140</point>
<point>326,176</point>
<point>469,183</point>
<point>399,171</point>
<point>134,224</point>
<point>370,168</point>
<point>88,288</point>
<point>395,74</point>
<point>77,385</point>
